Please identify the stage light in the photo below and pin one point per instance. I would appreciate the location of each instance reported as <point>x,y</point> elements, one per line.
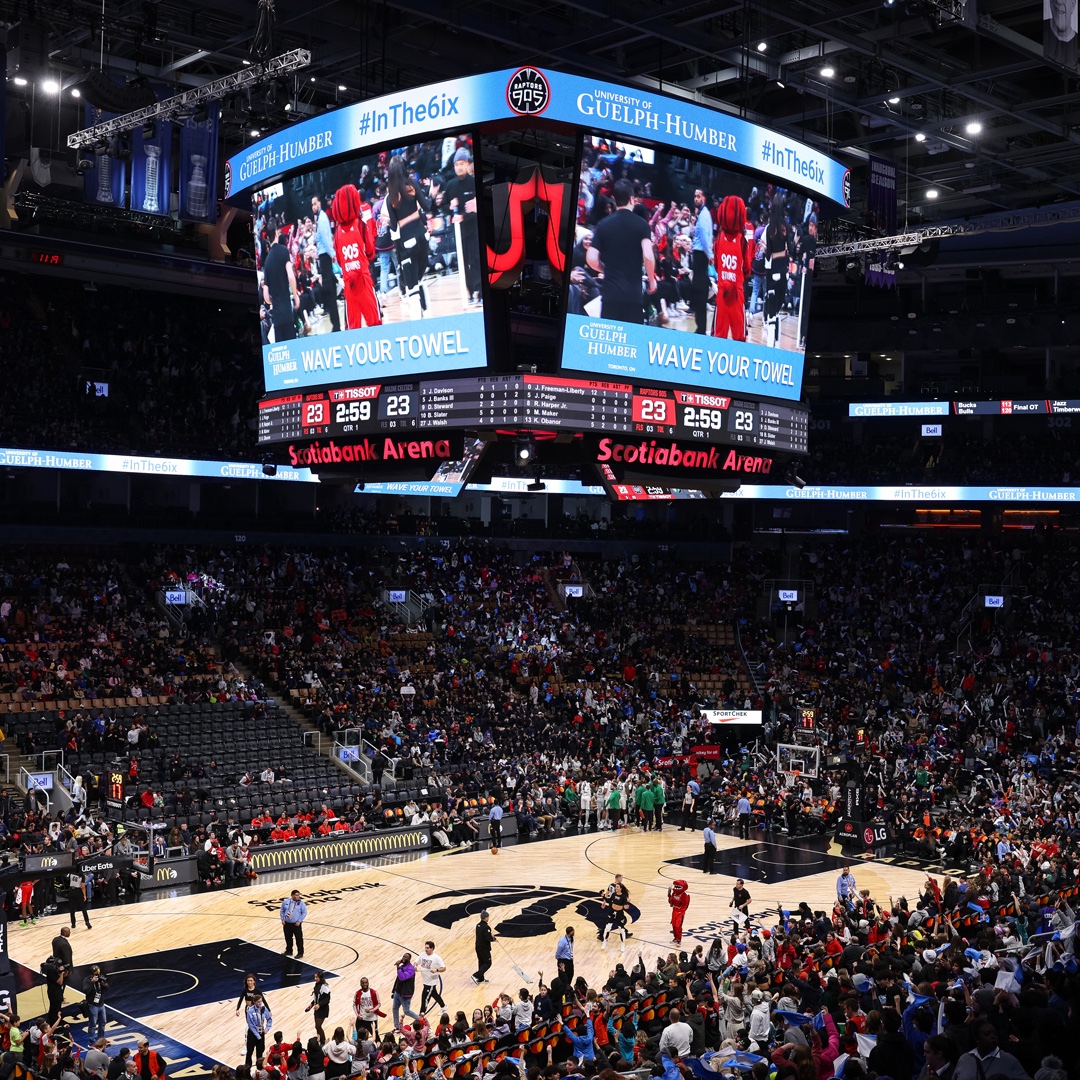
<point>342,87</point>
<point>762,46</point>
<point>524,450</point>
<point>149,131</point>
<point>894,100</point>
<point>76,92</point>
<point>931,193</point>
<point>973,128</point>
<point>254,133</point>
<point>269,469</point>
<point>828,72</point>
<point>51,86</point>
<point>19,80</point>
<point>536,485</point>
<point>920,137</point>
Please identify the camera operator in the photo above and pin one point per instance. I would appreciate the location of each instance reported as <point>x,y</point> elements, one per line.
<point>94,988</point>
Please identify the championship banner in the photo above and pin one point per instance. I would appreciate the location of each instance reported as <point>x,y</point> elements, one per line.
<point>105,184</point>
<point>880,275</point>
<point>151,169</point>
<point>199,166</point>
<point>881,197</point>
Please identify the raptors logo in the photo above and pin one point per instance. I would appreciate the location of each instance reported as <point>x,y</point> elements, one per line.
<point>527,92</point>
<point>542,904</point>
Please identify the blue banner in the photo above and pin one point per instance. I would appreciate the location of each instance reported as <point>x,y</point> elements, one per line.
<point>133,464</point>
<point>391,351</point>
<point>105,184</point>
<point>641,351</point>
<point>151,169</point>
<point>199,166</point>
<point>943,494</point>
<point>516,93</point>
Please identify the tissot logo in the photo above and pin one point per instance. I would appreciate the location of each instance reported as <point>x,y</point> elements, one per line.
<point>535,919</point>
<point>527,92</point>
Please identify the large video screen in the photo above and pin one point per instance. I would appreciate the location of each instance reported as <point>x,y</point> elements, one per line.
<point>370,268</point>
<point>687,273</point>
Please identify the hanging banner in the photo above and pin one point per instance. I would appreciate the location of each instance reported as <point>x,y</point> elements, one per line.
<point>1059,32</point>
<point>151,168</point>
<point>881,197</point>
<point>199,167</point>
<point>105,184</point>
<point>877,273</point>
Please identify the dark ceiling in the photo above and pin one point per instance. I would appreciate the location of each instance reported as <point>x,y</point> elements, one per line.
<point>924,68</point>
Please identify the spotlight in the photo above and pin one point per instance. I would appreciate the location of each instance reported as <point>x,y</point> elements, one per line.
<point>269,469</point>
<point>201,113</point>
<point>76,92</point>
<point>524,450</point>
<point>890,3</point>
<point>894,100</point>
<point>973,128</point>
<point>19,80</point>
<point>51,86</point>
<point>793,478</point>
<point>254,133</point>
<point>536,485</point>
<point>828,72</point>
<point>83,166</point>
<point>931,193</point>
<point>762,46</point>
<point>920,137</point>
<point>342,88</point>
<point>149,131</point>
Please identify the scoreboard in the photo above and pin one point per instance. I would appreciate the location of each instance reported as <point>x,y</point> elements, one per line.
<point>498,325</point>
<point>535,402</point>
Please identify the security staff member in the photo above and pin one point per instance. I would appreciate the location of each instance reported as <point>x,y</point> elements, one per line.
<point>293,914</point>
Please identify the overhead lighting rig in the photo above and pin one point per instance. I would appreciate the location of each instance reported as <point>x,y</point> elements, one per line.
<point>185,104</point>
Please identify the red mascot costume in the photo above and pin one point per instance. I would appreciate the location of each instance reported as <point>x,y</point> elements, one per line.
<point>678,897</point>
<point>354,242</point>
<point>733,268</point>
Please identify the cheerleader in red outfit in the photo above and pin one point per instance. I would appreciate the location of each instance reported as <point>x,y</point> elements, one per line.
<point>679,898</point>
<point>354,242</point>
<point>733,269</point>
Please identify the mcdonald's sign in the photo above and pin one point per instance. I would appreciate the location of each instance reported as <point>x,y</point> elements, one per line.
<point>338,849</point>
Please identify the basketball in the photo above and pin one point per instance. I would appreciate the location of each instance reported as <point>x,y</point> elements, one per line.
<point>494,851</point>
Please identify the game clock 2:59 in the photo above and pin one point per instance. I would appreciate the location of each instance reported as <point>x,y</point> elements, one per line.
<point>702,419</point>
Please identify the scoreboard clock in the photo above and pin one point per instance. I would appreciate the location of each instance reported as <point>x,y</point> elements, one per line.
<point>115,779</point>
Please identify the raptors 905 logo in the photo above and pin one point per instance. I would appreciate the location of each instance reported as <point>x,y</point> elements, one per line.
<point>527,92</point>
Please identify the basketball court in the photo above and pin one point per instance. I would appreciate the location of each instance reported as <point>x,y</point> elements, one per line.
<point>176,965</point>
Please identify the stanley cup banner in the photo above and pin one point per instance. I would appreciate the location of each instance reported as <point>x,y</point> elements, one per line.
<point>151,168</point>
<point>105,182</point>
<point>199,166</point>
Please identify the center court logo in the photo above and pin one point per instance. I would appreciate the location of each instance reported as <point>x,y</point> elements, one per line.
<point>536,919</point>
<point>528,92</point>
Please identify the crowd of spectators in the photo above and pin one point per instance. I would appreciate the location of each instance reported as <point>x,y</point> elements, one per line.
<point>961,720</point>
<point>183,383</point>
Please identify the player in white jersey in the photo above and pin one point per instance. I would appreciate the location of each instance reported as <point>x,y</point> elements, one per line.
<point>584,804</point>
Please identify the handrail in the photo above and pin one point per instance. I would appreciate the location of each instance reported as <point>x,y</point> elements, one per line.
<point>353,736</point>
<point>58,754</point>
<point>360,764</point>
<point>313,734</point>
